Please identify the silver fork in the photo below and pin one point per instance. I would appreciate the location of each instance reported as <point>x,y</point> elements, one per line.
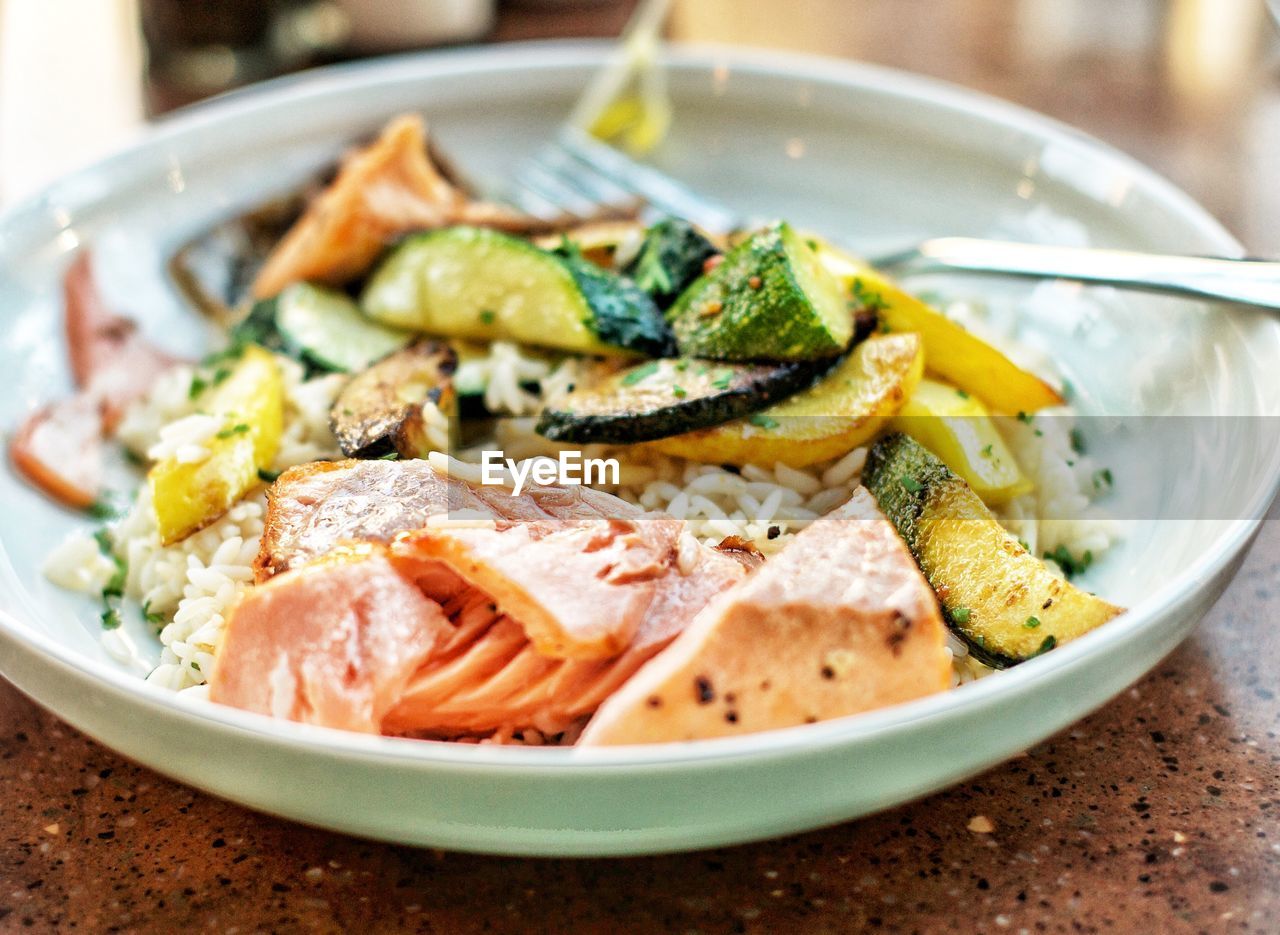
<point>576,174</point>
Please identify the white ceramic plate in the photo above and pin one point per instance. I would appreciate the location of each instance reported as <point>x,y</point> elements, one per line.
<point>872,155</point>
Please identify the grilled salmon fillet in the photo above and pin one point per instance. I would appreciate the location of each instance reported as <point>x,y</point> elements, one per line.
<point>841,621</point>
<point>550,601</point>
<point>314,507</point>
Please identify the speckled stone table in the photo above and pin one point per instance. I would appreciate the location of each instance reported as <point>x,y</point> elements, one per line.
<point>1161,813</point>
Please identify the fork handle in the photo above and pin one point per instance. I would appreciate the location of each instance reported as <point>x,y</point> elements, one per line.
<point>1248,281</point>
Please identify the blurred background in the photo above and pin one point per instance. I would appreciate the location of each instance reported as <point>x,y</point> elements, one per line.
<point>1192,87</point>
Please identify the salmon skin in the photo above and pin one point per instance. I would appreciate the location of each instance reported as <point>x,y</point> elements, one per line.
<point>553,598</point>
<point>840,622</point>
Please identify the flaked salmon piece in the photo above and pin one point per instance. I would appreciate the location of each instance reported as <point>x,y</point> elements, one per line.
<point>580,588</point>
<point>59,447</point>
<point>495,679</point>
<point>384,190</point>
<point>840,622</point>
<point>314,507</point>
<point>332,644</point>
<point>59,450</point>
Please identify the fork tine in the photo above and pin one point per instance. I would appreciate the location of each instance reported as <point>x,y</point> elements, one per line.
<point>658,189</point>
<point>583,178</point>
<point>535,179</point>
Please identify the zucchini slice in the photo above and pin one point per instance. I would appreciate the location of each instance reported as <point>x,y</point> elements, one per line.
<point>467,282</point>
<point>387,409</point>
<point>668,397</point>
<point>320,326</point>
<point>1000,598</point>
<point>846,408</point>
<point>770,299</point>
<point>328,329</point>
<point>671,258</point>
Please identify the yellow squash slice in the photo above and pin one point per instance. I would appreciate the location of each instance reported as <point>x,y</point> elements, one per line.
<point>845,409</point>
<point>250,404</point>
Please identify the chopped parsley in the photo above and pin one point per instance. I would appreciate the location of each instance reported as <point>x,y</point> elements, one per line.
<point>103,508</point>
<point>1102,479</point>
<point>389,456</point>
<point>678,391</point>
<point>238,429</point>
<point>643,372</point>
<point>1070,565</point>
<point>1025,417</point>
<point>220,375</point>
<point>962,394</point>
<point>1077,441</point>
<point>198,385</point>
<point>762,420</point>
<point>488,317</point>
<point>986,452</point>
<point>113,590</point>
<point>868,298</point>
<point>151,616</point>
<point>960,615</point>
<point>910,484</point>
<point>723,379</point>
<point>1031,623</point>
<point>110,618</point>
<point>1048,644</point>
<point>268,477</point>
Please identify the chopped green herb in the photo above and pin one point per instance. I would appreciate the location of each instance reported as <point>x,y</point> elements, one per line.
<point>867,298</point>
<point>195,665</point>
<point>678,391</point>
<point>103,508</point>
<point>110,618</point>
<point>910,484</point>
<point>198,386</point>
<point>238,429</point>
<point>986,452</point>
<point>962,394</point>
<point>682,366</point>
<point>1048,644</point>
<point>1077,441</point>
<point>389,456</point>
<point>1070,565</point>
<point>220,375</point>
<point>268,477</point>
<point>643,372</point>
<point>723,379</point>
<point>1025,417</point>
<point>1031,623</point>
<point>651,275</point>
<point>1039,434</point>
<point>1102,479</point>
<point>151,616</point>
<point>488,317</point>
<point>960,615</point>
<point>1068,390</point>
<point>762,420</point>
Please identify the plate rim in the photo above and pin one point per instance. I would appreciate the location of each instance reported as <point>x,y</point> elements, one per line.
<point>853,77</point>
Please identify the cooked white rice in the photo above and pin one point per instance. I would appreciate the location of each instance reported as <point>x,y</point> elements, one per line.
<point>192,584</point>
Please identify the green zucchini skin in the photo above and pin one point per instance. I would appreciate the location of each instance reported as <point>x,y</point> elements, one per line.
<point>323,328</point>
<point>622,314</point>
<point>998,597</point>
<point>770,299</point>
<point>660,398</point>
<point>671,258</point>
<point>902,475</point>
<point>483,285</point>
<point>893,458</point>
